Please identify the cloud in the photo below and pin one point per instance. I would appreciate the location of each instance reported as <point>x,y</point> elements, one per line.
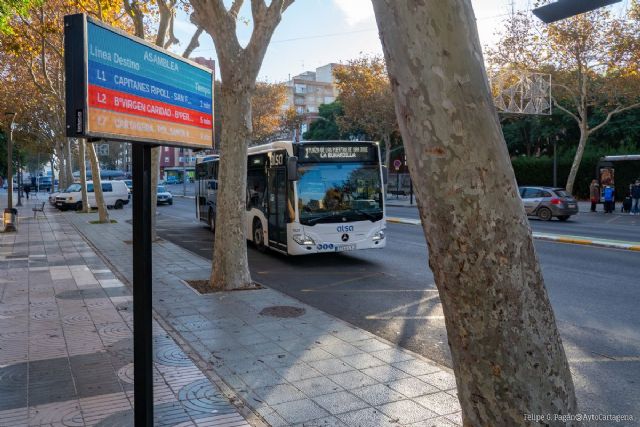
<point>355,11</point>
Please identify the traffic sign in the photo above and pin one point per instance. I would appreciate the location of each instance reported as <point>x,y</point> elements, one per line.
<point>396,164</point>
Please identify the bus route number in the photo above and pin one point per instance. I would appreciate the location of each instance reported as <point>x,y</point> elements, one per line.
<point>277,159</point>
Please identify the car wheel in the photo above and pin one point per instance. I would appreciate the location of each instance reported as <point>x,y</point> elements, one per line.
<point>544,214</point>
<point>170,201</point>
<point>258,235</point>
<point>78,206</point>
<point>212,220</point>
<point>118,204</point>
<point>564,217</point>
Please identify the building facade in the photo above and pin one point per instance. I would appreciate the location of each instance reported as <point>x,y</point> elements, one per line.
<point>307,91</point>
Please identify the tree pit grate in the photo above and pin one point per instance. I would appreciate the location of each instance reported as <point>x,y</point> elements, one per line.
<point>282,311</point>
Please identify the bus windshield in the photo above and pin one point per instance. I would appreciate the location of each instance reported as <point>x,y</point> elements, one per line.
<point>337,192</point>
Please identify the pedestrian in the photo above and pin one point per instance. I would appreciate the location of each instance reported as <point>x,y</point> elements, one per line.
<point>608,199</point>
<point>26,189</point>
<point>594,190</point>
<point>635,197</point>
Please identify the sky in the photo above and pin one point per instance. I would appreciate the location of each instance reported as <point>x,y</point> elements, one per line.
<point>313,33</point>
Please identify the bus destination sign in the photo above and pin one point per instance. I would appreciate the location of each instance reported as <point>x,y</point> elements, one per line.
<point>337,153</point>
<point>120,87</point>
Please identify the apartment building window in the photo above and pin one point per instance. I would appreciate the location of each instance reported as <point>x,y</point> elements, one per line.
<point>328,99</point>
<point>299,101</point>
<point>166,160</point>
<point>300,88</point>
<point>300,110</point>
<point>311,109</point>
<point>166,149</point>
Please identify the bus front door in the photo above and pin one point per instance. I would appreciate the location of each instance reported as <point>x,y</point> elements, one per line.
<point>277,208</point>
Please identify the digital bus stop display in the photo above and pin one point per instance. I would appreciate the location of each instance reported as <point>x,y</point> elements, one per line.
<point>337,153</point>
<point>133,91</point>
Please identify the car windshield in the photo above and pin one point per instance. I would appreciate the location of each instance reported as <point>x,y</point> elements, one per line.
<point>73,188</point>
<point>162,189</point>
<point>331,192</point>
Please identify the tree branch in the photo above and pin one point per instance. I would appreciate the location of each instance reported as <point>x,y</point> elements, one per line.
<point>194,43</point>
<point>611,114</point>
<point>566,111</point>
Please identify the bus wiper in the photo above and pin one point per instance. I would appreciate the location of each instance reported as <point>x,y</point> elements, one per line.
<point>320,218</point>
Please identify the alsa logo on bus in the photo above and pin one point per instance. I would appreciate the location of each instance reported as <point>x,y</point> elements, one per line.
<point>276,159</point>
<point>344,228</point>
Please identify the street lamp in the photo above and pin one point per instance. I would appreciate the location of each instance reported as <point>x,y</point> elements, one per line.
<point>9,212</point>
<point>10,116</point>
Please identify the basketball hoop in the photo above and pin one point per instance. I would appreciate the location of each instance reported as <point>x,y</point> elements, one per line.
<point>521,92</point>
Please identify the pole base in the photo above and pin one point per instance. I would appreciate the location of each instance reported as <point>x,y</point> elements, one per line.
<point>9,220</point>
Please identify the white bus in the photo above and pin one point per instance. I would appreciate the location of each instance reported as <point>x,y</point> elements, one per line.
<point>308,197</point>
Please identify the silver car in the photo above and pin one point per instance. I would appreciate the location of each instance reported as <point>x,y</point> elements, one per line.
<point>164,196</point>
<point>548,202</point>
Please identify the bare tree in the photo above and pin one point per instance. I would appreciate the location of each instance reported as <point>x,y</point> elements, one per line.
<point>239,69</point>
<point>82,144</point>
<point>507,353</point>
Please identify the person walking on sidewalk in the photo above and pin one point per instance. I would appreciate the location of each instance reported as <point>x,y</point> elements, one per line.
<point>26,189</point>
<point>635,198</point>
<point>608,199</point>
<point>594,191</point>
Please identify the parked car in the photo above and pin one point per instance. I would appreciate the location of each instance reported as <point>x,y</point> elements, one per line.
<point>548,202</point>
<point>173,180</point>
<point>44,184</point>
<point>129,184</point>
<point>164,196</point>
<point>116,195</point>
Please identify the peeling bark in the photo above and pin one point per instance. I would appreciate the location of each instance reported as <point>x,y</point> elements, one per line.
<point>506,350</point>
<point>230,263</point>
<point>582,143</point>
<point>86,208</point>
<point>103,214</point>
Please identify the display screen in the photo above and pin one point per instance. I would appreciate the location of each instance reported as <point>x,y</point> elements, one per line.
<point>337,153</point>
<point>137,92</point>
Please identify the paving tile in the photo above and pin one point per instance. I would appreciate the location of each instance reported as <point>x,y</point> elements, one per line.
<point>443,380</point>
<point>362,361</point>
<point>417,367</point>
<point>330,366</point>
<point>273,395</point>
<point>378,394</point>
<point>300,411</point>
<point>368,417</point>
<point>323,422</point>
<point>406,411</point>
<point>442,403</point>
<point>385,374</point>
<point>342,401</point>
<point>352,379</point>
<point>391,355</point>
<point>261,378</point>
<point>434,422</point>
<point>297,372</point>
<point>412,387</point>
<point>371,345</point>
<point>317,386</point>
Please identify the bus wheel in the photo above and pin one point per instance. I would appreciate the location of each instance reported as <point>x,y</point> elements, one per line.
<point>212,220</point>
<point>258,235</point>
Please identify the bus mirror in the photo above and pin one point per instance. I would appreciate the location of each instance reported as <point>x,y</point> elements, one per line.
<point>385,175</point>
<point>292,168</point>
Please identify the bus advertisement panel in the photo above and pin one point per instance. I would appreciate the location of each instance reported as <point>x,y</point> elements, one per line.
<point>120,87</point>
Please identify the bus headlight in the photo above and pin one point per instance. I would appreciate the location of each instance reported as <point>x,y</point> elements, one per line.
<point>379,235</point>
<point>303,240</point>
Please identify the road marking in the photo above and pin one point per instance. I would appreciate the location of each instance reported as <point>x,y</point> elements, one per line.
<point>385,314</point>
<point>405,318</point>
<point>372,290</point>
<point>605,359</point>
<point>354,279</point>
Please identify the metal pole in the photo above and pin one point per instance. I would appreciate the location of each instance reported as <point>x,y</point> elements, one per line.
<point>142,282</point>
<point>555,163</point>
<point>410,191</point>
<point>10,162</point>
<point>19,180</point>
<point>184,175</point>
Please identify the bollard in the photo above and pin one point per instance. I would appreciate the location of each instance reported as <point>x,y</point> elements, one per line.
<point>9,219</point>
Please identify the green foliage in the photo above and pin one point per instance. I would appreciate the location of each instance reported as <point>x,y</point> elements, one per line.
<point>8,8</point>
<point>326,128</point>
<point>539,170</point>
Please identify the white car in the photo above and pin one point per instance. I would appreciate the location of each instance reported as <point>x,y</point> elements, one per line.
<point>116,195</point>
<point>164,196</point>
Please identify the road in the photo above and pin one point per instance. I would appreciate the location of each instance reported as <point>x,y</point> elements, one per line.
<point>391,292</point>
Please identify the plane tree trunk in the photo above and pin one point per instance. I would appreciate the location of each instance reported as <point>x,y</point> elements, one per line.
<point>86,208</point>
<point>103,214</point>
<point>239,67</point>
<point>507,353</point>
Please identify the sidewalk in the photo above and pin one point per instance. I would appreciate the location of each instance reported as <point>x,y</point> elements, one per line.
<point>66,345</point>
<point>309,370</point>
